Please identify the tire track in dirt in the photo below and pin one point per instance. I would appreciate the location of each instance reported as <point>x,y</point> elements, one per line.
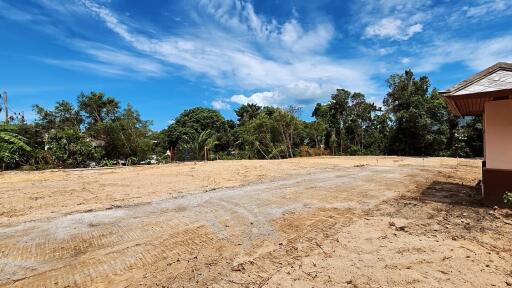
<point>124,257</point>
<point>88,249</point>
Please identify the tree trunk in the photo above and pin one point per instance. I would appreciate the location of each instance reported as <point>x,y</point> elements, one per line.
<point>341,140</point>
<point>290,143</point>
<point>284,139</point>
<point>341,135</point>
<point>258,146</point>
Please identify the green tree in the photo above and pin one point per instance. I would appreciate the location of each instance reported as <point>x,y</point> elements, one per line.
<point>259,137</point>
<point>127,136</point>
<point>288,125</point>
<point>69,148</point>
<point>472,130</point>
<point>63,144</point>
<point>350,121</point>
<point>97,108</point>
<point>321,114</point>
<point>360,118</point>
<point>419,116</point>
<point>198,143</point>
<point>377,136</point>
<point>315,132</point>
<point>193,122</point>
<point>247,112</point>
<point>273,134</point>
<point>339,114</point>
<point>63,116</point>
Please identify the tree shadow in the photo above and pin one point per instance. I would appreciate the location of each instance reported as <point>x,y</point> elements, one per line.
<point>452,193</point>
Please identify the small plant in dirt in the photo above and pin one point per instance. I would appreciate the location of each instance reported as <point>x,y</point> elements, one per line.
<point>508,198</point>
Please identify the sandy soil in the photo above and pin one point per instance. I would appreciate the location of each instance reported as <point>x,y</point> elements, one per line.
<point>310,222</point>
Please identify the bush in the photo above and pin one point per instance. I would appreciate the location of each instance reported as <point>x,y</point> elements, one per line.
<point>507,198</point>
<point>69,148</point>
<point>305,151</point>
<point>107,163</point>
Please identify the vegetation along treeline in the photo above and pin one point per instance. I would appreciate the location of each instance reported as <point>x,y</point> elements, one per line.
<point>97,131</point>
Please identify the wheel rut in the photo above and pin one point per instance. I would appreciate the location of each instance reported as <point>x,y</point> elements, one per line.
<point>124,245</point>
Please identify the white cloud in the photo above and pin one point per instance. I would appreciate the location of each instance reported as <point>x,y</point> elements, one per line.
<point>299,93</point>
<point>231,61</point>
<point>240,16</point>
<point>411,30</point>
<point>442,24</point>
<point>109,61</point>
<point>267,98</point>
<point>296,39</point>
<point>487,7</point>
<point>220,104</point>
<point>78,65</point>
<point>385,51</point>
<point>392,28</point>
<point>12,13</point>
<point>392,19</point>
<point>476,54</point>
<point>100,58</point>
<point>279,62</point>
<point>232,46</point>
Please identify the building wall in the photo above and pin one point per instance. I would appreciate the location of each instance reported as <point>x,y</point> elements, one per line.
<point>498,134</point>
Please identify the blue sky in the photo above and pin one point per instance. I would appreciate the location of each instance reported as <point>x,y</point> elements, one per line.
<point>167,56</point>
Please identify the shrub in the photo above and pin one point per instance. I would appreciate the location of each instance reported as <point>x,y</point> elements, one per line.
<point>70,148</point>
<point>507,198</point>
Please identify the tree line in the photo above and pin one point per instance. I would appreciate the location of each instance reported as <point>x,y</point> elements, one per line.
<point>414,121</point>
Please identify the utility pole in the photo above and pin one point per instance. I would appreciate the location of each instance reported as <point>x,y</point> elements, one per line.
<point>6,106</point>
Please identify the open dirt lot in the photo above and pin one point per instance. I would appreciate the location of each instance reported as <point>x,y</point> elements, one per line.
<point>309,222</point>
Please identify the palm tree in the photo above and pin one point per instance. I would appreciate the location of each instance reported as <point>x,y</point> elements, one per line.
<point>198,142</point>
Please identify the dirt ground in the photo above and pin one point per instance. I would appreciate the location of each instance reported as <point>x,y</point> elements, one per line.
<point>308,222</point>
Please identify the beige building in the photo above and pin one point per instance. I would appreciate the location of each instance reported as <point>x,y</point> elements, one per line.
<point>489,93</point>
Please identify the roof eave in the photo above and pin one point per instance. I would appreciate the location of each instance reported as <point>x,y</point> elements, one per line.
<point>452,106</point>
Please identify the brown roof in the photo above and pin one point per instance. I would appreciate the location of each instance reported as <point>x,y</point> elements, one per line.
<point>469,96</point>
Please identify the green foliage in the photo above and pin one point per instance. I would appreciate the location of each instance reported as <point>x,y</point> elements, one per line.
<point>473,129</point>
<point>63,116</point>
<point>259,138</point>
<point>315,133</point>
<point>197,142</point>
<point>97,108</point>
<point>419,116</point>
<point>413,121</point>
<point>159,143</point>
<point>70,148</point>
<point>126,136</point>
<point>350,124</point>
<point>185,133</point>
<point>12,147</point>
<point>273,133</point>
<point>247,112</point>
<point>97,129</point>
<point>507,198</point>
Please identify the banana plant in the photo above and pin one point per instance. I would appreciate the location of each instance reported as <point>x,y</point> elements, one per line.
<point>11,144</point>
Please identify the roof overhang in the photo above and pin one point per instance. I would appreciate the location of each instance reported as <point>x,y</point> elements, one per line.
<point>469,96</point>
<point>472,104</point>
